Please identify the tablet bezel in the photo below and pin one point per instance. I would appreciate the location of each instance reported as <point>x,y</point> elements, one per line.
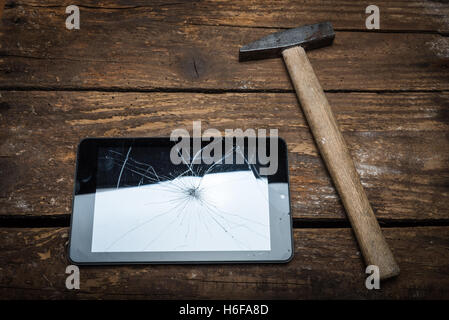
<point>80,245</point>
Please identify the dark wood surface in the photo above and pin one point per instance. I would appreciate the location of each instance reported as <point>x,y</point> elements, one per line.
<point>327,265</point>
<point>140,69</point>
<point>383,131</point>
<point>142,49</point>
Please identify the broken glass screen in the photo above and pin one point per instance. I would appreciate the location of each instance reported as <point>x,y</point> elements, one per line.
<point>144,202</point>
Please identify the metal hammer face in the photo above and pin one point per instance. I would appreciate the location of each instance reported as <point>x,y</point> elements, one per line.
<point>309,37</point>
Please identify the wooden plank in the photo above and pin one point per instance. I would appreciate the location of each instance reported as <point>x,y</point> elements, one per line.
<point>138,50</point>
<point>394,15</point>
<point>399,143</point>
<point>327,265</point>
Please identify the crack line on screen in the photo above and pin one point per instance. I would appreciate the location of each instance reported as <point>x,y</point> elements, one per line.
<point>190,200</point>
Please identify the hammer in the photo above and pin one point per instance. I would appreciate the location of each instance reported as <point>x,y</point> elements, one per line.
<point>291,44</point>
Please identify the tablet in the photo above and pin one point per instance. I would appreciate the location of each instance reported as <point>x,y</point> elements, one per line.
<point>192,200</point>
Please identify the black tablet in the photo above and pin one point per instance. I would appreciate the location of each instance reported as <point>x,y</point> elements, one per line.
<point>191,200</point>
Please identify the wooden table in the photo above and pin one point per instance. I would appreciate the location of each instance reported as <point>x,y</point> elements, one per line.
<point>144,68</point>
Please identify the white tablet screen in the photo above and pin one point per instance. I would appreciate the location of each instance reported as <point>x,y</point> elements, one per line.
<point>145,203</point>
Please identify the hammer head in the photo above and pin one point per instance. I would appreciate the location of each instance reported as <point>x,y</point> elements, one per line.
<point>309,37</point>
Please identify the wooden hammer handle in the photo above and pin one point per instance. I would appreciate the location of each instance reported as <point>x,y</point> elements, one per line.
<point>338,160</point>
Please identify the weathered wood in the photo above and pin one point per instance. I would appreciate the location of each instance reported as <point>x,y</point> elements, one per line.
<point>140,50</point>
<point>2,5</point>
<point>394,15</point>
<point>399,143</point>
<point>327,265</point>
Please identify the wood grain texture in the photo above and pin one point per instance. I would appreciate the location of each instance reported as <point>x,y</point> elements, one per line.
<point>326,265</point>
<point>332,146</point>
<point>398,140</point>
<point>2,5</point>
<point>398,15</point>
<point>140,50</point>
<point>399,143</point>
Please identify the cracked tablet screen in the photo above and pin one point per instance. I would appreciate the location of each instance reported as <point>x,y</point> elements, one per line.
<point>144,202</point>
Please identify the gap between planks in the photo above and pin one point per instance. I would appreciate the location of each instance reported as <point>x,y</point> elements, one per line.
<point>63,220</point>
